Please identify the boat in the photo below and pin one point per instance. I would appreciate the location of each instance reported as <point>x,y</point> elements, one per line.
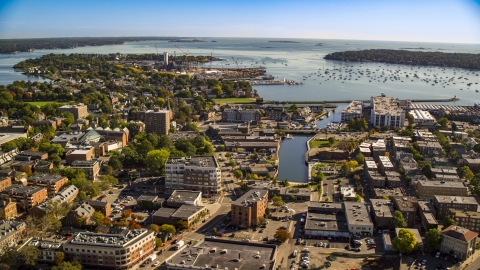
<point>289,136</point>
<point>476,91</point>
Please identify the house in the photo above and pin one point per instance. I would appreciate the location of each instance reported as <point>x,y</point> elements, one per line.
<point>12,232</point>
<point>79,216</point>
<point>104,207</point>
<point>459,242</point>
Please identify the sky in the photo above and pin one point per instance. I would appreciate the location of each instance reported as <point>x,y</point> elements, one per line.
<point>450,21</point>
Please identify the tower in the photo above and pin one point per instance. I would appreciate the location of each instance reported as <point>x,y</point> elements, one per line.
<point>165,60</point>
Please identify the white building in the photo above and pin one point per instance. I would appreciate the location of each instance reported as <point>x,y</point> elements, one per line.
<point>358,218</point>
<point>348,193</point>
<point>386,111</point>
<point>199,173</point>
<point>422,117</point>
<point>352,111</point>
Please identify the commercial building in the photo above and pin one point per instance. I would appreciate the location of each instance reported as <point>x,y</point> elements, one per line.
<point>11,232</point>
<point>359,221</point>
<point>248,208</point>
<point>199,173</point>
<point>78,111</point>
<point>111,251</point>
<point>241,115</point>
<point>158,121</point>
<point>8,209</point>
<point>427,189</point>
<point>53,183</point>
<point>184,197</point>
<point>85,154</point>
<point>443,204</point>
<point>422,117</point>
<point>381,211</point>
<point>408,205</point>
<point>25,196</point>
<point>191,214</point>
<point>225,254</point>
<point>466,219</point>
<point>386,111</point>
<point>326,220</point>
<point>459,242</point>
<point>348,193</point>
<point>352,111</point>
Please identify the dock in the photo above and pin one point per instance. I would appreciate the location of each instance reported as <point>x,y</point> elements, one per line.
<point>350,100</point>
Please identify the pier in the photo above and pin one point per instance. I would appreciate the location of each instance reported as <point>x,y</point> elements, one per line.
<point>350,100</point>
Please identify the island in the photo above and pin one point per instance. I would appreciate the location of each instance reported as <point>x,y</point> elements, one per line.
<point>319,44</point>
<point>283,41</point>
<point>31,44</point>
<point>404,57</point>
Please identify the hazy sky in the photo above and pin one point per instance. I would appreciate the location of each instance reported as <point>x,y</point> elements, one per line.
<point>456,21</point>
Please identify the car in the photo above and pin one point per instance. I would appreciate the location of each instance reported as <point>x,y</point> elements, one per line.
<point>261,231</point>
<point>373,246</point>
<point>358,242</point>
<point>156,264</point>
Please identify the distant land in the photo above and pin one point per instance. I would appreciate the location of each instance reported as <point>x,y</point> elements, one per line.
<point>186,40</point>
<point>283,41</point>
<point>459,60</point>
<point>31,44</point>
<point>419,48</point>
<point>319,44</point>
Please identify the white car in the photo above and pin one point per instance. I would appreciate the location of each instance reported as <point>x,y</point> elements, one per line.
<point>156,263</point>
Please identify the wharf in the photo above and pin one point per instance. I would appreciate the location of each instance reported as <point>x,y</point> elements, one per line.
<point>350,100</point>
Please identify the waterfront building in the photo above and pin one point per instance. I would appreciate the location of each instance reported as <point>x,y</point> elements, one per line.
<point>78,111</point>
<point>459,242</point>
<point>157,121</point>
<point>241,115</point>
<point>422,117</point>
<point>386,111</point>
<point>247,209</point>
<point>115,251</point>
<point>352,111</point>
<point>199,173</point>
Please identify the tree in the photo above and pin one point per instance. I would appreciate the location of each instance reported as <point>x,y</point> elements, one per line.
<point>433,239</point>
<point>448,221</point>
<point>98,217</point>
<point>360,158</point>
<point>67,266</point>
<point>358,198</point>
<point>158,242</point>
<point>467,173</point>
<point>319,177</point>
<point>405,242</point>
<point>274,182</point>
<point>427,170</point>
<point>182,225</point>
<point>59,257</point>
<point>285,183</point>
<point>27,256</point>
<point>127,213</point>
<point>154,227</point>
<point>232,163</point>
<point>443,122</point>
<point>133,225</point>
<point>168,229</point>
<point>293,107</point>
<point>386,198</point>
<point>398,220</point>
<point>345,170</point>
<point>50,223</point>
<point>331,141</point>
<point>156,159</point>
<point>282,235</point>
<point>261,220</point>
<point>277,201</point>
<point>115,163</point>
<point>237,174</point>
<point>214,230</point>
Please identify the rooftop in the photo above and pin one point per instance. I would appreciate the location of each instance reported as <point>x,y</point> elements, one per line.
<point>460,233</point>
<point>423,115</point>
<point>405,203</point>
<point>225,254</point>
<point>45,178</point>
<point>354,107</point>
<point>386,105</point>
<point>251,196</point>
<point>19,189</point>
<point>197,161</point>
<point>112,240</point>
<point>184,196</point>
<point>357,213</point>
<point>382,207</point>
<point>385,161</point>
<point>429,183</point>
<point>455,199</point>
<point>186,211</point>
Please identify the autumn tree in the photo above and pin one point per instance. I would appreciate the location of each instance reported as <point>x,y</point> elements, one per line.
<point>98,217</point>
<point>168,229</point>
<point>127,213</point>
<point>59,257</point>
<point>282,235</point>
<point>405,242</point>
<point>154,228</point>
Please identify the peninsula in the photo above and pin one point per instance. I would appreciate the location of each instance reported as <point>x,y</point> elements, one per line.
<point>459,60</point>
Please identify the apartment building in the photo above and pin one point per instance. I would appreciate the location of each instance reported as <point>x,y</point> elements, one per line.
<point>466,219</point>
<point>198,173</point>
<point>104,207</point>
<point>458,241</point>
<point>5,183</point>
<point>429,148</point>
<point>53,183</point>
<point>241,115</point>
<point>78,111</point>
<point>90,167</point>
<point>158,121</point>
<point>8,209</point>
<point>26,196</point>
<point>386,111</point>
<point>114,251</point>
<point>444,203</point>
<point>408,205</point>
<point>247,209</point>
<point>11,232</point>
<point>385,165</point>
<point>79,216</point>
<point>68,194</point>
<point>352,111</point>
<point>381,212</point>
<point>427,189</point>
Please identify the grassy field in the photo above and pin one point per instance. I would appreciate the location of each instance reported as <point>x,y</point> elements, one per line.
<point>43,103</point>
<point>319,143</point>
<point>233,100</point>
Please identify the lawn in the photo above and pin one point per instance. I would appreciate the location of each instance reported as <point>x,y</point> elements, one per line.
<point>43,103</point>
<point>233,100</point>
<point>319,143</point>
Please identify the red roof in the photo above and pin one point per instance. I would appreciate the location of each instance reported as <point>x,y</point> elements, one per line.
<point>459,233</point>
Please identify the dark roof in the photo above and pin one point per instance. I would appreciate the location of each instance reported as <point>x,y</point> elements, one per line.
<point>98,203</point>
<point>460,233</point>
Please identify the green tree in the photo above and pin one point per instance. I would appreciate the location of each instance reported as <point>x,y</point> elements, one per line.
<point>98,217</point>
<point>360,158</point>
<point>59,257</point>
<point>67,266</point>
<point>282,235</point>
<point>319,177</point>
<point>154,227</point>
<point>274,182</point>
<point>285,183</point>
<point>261,220</point>
<point>345,170</point>
<point>293,107</point>
<point>167,228</point>
<point>467,173</point>
<point>385,198</point>
<point>358,198</point>
<point>433,239</point>
<point>331,141</point>
<point>182,225</point>
<point>156,159</point>
<point>158,242</point>
<point>217,90</point>
<point>277,201</point>
<point>232,163</point>
<point>214,230</point>
<point>115,163</point>
<point>27,256</point>
<point>50,223</point>
<point>398,220</point>
<point>448,221</point>
<point>405,242</point>
<point>238,174</point>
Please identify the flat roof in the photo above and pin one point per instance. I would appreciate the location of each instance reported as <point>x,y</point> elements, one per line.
<point>184,196</point>
<point>422,115</point>
<point>223,254</point>
<point>449,184</point>
<point>357,213</point>
<point>164,212</point>
<point>198,161</point>
<point>386,105</point>
<point>381,207</point>
<point>186,211</point>
<point>405,203</point>
<point>354,107</point>
<point>455,199</point>
<point>251,196</point>
<point>430,218</point>
<point>326,222</point>
<point>46,178</point>
<point>112,240</point>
